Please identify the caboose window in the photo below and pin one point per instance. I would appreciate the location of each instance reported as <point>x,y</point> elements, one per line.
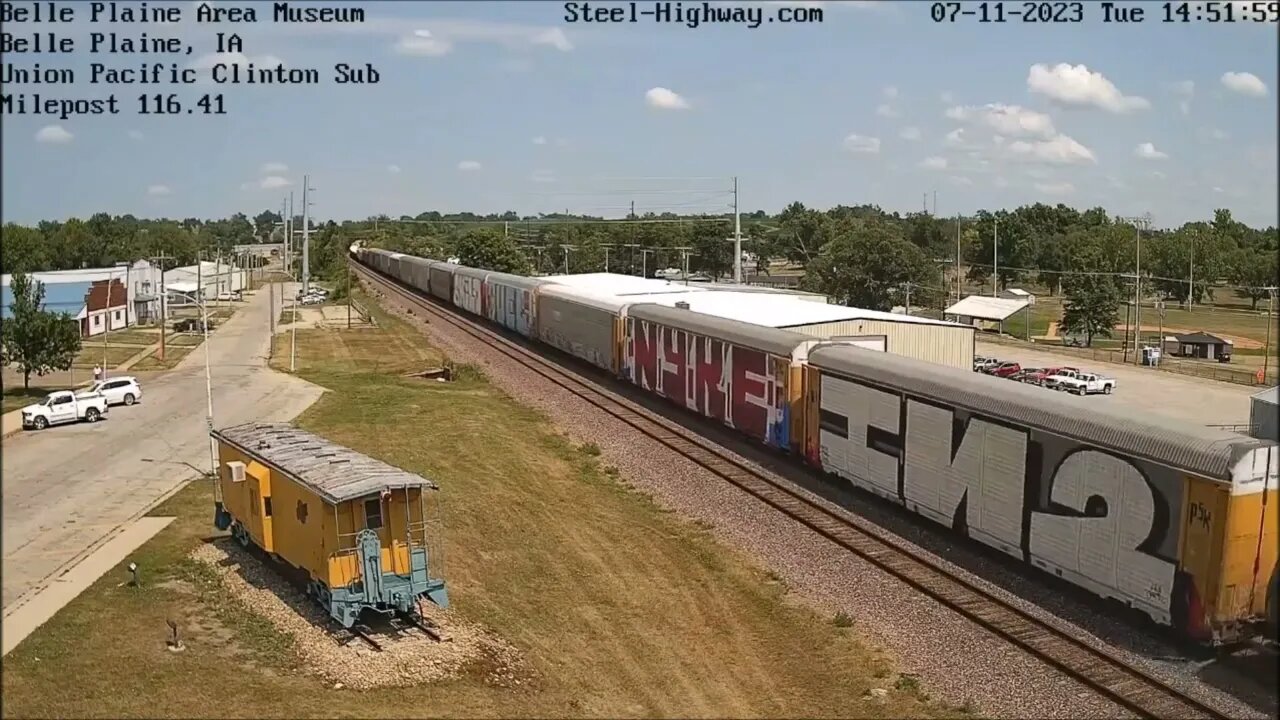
<point>266,506</point>
<point>373,514</point>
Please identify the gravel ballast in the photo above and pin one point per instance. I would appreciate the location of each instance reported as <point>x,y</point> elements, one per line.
<point>956,661</point>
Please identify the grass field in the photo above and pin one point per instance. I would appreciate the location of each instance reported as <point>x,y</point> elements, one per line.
<point>92,354</point>
<point>17,397</point>
<point>173,354</point>
<point>184,339</point>
<point>126,337</point>
<point>620,609</point>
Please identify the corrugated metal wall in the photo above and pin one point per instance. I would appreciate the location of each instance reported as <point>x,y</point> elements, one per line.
<point>1265,420</point>
<point>579,330</point>
<point>941,344</point>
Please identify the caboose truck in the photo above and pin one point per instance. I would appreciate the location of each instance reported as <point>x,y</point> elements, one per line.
<point>358,528</point>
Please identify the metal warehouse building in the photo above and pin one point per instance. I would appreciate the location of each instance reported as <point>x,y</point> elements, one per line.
<point>935,341</point>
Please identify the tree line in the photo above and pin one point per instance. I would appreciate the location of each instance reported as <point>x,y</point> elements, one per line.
<point>858,255</point>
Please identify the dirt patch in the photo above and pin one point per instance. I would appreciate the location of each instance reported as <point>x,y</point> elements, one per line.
<point>406,659</point>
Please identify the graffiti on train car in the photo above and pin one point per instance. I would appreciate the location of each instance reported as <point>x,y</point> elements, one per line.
<point>467,293</point>
<point>1100,520</point>
<point>740,387</point>
<point>510,307</point>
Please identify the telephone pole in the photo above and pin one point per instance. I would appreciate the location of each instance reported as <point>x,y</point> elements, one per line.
<point>995,257</point>
<point>737,235</point>
<point>1139,223</point>
<point>1266,350</point>
<point>159,260</point>
<point>306,234</point>
<point>288,238</point>
<point>959,286</point>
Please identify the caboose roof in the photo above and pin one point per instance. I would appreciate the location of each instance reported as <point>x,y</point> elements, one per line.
<point>334,472</point>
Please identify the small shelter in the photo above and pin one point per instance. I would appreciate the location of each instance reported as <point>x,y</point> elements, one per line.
<point>979,309</point>
<point>1199,345</point>
<point>1018,294</point>
<point>1264,415</point>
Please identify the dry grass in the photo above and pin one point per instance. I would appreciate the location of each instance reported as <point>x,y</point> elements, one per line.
<point>173,354</point>
<point>127,337</point>
<point>17,396</point>
<point>621,609</point>
<point>91,353</point>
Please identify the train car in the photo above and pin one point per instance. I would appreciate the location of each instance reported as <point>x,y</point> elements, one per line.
<point>1178,522</point>
<point>358,529</point>
<point>441,280</point>
<point>585,325</point>
<point>734,372</point>
<point>510,301</point>
<point>419,272</point>
<point>468,289</point>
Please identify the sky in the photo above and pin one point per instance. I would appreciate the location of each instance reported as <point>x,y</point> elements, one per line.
<point>495,106</point>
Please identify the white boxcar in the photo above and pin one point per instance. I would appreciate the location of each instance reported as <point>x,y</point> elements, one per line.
<point>468,289</point>
<point>510,301</point>
<point>585,325</point>
<point>418,272</point>
<point>442,280</point>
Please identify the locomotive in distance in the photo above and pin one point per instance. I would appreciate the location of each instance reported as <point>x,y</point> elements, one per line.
<point>121,12</point>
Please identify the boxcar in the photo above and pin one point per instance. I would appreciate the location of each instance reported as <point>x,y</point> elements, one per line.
<point>509,301</point>
<point>441,284</point>
<point>584,325</point>
<point>418,272</point>
<point>468,289</point>
<point>1176,521</point>
<point>358,528</point>
<point>731,371</point>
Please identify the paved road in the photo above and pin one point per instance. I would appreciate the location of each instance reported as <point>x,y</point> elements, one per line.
<point>1142,390</point>
<point>66,488</point>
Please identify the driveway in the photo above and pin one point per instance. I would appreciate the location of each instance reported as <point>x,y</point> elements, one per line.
<point>67,488</point>
<point>1143,391</point>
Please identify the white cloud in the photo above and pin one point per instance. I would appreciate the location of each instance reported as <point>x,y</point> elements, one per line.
<point>1158,175</point>
<point>891,92</point>
<point>665,99</point>
<point>861,144</point>
<point>445,35</point>
<point>1148,151</point>
<point>1062,188</point>
<point>53,135</point>
<point>1078,86</point>
<point>539,140</point>
<point>1006,119</point>
<point>960,180</point>
<point>543,176</point>
<point>1216,134</point>
<point>1244,83</point>
<point>947,97</point>
<point>1060,150</point>
<point>393,169</point>
<point>159,190</point>
<point>934,163</point>
<point>886,111</point>
<point>135,135</point>
<point>468,166</point>
<point>1218,189</point>
<point>909,133</point>
<point>272,182</point>
<point>1185,89</point>
<point>274,168</point>
<point>955,138</point>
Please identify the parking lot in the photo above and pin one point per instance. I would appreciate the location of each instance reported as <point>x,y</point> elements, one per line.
<point>1143,391</point>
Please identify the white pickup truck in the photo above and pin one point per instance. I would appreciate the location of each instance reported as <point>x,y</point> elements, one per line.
<point>1082,383</point>
<point>64,406</point>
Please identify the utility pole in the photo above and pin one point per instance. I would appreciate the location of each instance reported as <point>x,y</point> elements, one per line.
<point>959,285</point>
<point>737,235</point>
<point>288,239</point>
<point>644,261</point>
<point>1266,350</point>
<point>159,259</point>
<point>995,258</point>
<point>306,235</point>
<point>566,249</point>
<point>908,304</point>
<point>606,256</point>
<point>935,203</point>
<point>1191,284</point>
<point>1138,224</point>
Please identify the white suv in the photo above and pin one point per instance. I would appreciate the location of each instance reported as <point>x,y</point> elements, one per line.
<point>123,390</point>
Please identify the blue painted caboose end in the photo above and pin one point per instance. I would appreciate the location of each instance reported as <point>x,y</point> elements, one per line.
<point>221,518</point>
<point>384,592</point>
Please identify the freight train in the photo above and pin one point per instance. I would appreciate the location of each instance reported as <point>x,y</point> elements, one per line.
<point>1176,521</point>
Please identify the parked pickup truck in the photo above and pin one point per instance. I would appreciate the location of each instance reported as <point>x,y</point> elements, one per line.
<point>1084,383</point>
<point>64,406</point>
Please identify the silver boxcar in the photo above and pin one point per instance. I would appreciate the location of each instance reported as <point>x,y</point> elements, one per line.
<point>582,324</point>
<point>418,272</point>
<point>468,289</point>
<point>441,284</point>
<point>510,302</point>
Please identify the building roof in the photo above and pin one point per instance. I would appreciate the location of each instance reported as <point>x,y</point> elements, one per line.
<point>762,289</point>
<point>1019,292</point>
<point>334,472</point>
<point>1270,396</point>
<point>182,287</point>
<point>1201,338</point>
<point>616,284</point>
<point>776,311</point>
<point>986,308</point>
<point>61,297</point>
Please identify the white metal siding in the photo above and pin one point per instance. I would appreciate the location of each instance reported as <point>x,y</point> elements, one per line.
<point>942,344</point>
<point>581,331</point>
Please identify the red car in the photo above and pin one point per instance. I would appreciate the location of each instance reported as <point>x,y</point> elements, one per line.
<point>1005,369</point>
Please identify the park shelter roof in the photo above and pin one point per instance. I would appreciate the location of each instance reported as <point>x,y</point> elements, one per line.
<point>334,472</point>
<point>1201,338</point>
<point>986,308</point>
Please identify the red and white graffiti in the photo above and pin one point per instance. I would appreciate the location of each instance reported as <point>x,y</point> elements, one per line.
<point>741,387</point>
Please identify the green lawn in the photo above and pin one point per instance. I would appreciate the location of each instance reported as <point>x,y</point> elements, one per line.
<point>173,354</point>
<point>91,353</point>
<point>17,397</point>
<point>618,608</point>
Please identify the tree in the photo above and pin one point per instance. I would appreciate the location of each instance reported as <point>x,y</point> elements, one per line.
<point>36,340</point>
<point>1252,272</point>
<point>868,266</point>
<point>24,248</point>
<point>1091,299</point>
<point>488,250</point>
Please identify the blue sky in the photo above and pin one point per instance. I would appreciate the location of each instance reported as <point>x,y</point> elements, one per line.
<point>490,106</point>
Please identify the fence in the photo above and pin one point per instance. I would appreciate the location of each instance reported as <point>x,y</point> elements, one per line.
<point>1212,371</point>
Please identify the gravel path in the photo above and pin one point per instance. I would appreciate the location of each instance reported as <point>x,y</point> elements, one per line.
<point>955,660</point>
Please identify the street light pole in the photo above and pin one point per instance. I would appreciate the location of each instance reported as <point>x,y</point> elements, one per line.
<point>208,381</point>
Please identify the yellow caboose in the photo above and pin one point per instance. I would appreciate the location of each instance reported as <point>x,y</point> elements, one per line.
<point>359,528</point>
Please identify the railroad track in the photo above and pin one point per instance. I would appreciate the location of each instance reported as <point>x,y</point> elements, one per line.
<point>1110,676</point>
